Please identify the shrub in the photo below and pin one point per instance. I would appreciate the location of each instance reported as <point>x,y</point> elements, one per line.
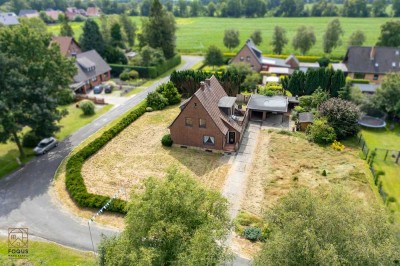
<point>124,76</point>
<point>253,233</point>
<point>156,101</point>
<point>30,140</point>
<point>321,132</point>
<point>342,115</point>
<point>149,109</point>
<point>336,145</point>
<point>324,173</point>
<point>65,96</point>
<point>87,107</point>
<point>133,74</point>
<point>167,140</point>
<point>323,62</point>
<point>170,92</point>
<point>73,179</point>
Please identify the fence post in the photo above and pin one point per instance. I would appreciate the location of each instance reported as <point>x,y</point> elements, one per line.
<point>387,152</point>
<point>398,157</point>
<point>366,155</point>
<point>359,139</point>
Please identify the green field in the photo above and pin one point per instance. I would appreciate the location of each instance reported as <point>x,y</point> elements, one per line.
<point>196,34</point>
<point>386,139</point>
<point>43,253</point>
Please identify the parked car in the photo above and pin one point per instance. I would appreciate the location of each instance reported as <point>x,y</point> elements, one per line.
<point>108,89</point>
<point>98,89</point>
<point>45,145</point>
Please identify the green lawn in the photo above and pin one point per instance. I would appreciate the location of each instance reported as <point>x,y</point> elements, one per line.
<point>385,138</point>
<point>196,34</point>
<point>43,253</point>
<point>72,122</point>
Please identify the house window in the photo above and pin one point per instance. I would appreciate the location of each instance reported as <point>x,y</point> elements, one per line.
<point>248,58</point>
<point>241,58</point>
<point>376,76</point>
<point>195,105</point>
<point>393,64</point>
<point>359,75</point>
<point>202,123</point>
<point>376,64</point>
<point>208,140</point>
<point>188,122</point>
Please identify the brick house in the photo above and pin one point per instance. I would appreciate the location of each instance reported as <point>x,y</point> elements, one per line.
<point>93,12</point>
<point>209,120</point>
<point>371,63</point>
<point>251,55</point>
<point>92,71</point>
<point>68,45</point>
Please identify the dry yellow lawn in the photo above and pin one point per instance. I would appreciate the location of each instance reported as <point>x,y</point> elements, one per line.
<point>284,162</point>
<point>137,153</point>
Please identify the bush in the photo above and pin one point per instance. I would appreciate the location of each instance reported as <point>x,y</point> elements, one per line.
<point>167,140</point>
<point>362,81</point>
<point>65,96</point>
<point>156,101</point>
<point>30,140</point>
<point>149,109</point>
<point>169,91</point>
<point>253,233</point>
<point>323,62</point>
<point>336,145</point>
<point>87,107</point>
<point>133,74</point>
<point>73,179</point>
<point>124,76</point>
<point>342,115</point>
<point>324,173</point>
<point>320,132</point>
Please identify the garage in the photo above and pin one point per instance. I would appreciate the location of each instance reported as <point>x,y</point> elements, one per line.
<point>261,107</point>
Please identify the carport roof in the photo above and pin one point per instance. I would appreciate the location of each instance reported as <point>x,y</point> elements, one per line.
<point>226,102</point>
<point>266,103</point>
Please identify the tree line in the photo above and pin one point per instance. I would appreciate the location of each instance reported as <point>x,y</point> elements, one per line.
<point>223,8</point>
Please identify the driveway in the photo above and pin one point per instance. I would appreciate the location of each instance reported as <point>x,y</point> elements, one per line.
<point>24,195</point>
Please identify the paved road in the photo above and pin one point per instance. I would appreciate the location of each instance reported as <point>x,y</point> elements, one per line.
<point>24,195</point>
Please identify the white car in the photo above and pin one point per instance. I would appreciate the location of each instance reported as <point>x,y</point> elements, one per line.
<point>45,145</point>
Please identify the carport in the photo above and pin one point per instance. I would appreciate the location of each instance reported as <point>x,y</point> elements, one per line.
<point>260,107</point>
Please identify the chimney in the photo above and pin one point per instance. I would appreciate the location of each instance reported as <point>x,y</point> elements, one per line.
<point>207,81</point>
<point>202,85</point>
<point>372,54</point>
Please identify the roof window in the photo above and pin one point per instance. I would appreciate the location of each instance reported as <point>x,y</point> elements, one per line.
<point>397,52</point>
<point>394,64</point>
<point>376,64</point>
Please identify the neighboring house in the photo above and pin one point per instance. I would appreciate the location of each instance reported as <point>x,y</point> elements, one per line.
<point>92,71</point>
<point>93,12</point>
<point>209,120</point>
<point>72,12</point>
<point>371,63</point>
<point>28,13</point>
<point>367,88</point>
<point>251,55</point>
<point>53,14</point>
<point>8,19</point>
<point>305,119</point>
<point>68,45</point>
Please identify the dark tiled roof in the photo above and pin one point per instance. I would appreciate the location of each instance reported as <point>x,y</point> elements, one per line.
<point>24,12</point>
<point>306,117</point>
<point>259,102</point>
<point>378,60</point>
<point>90,58</point>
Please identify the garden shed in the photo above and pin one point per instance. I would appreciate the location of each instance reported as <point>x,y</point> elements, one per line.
<point>305,119</point>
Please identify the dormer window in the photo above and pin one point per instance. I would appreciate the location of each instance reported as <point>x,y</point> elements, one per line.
<point>241,58</point>
<point>397,52</point>
<point>394,64</point>
<point>376,65</point>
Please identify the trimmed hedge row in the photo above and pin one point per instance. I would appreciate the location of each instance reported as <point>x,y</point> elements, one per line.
<point>362,81</point>
<point>74,180</point>
<point>147,72</point>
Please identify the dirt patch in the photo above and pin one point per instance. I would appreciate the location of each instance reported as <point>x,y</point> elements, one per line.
<point>137,153</point>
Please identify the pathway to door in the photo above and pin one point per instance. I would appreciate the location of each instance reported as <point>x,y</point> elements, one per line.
<point>236,182</point>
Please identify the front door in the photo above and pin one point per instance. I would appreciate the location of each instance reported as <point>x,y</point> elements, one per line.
<point>231,138</point>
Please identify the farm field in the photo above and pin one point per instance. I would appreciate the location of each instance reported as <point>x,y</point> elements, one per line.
<point>137,153</point>
<point>196,34</point>
<point>387,139</point>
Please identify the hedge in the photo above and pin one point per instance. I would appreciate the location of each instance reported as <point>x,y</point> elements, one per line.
<point>147,72</point>
<point>73,179</point>
<point>362,81</point>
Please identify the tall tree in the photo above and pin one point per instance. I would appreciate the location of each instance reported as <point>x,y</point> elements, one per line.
<point>66,29</point>
<point>159,30</point>
<point>129,28</point>
<point>279,40</point>
<point>32,73</point>
<point>304,39</point>
<point>355,8</point>
<point>231,38</point>
<point>256,37</point>
<point>116,35</point>
<point>211,9</point>
<point>290,8</point>
<point>329,226</point>
<point>91,37</point>
<point>332,35</point>
<point>145,8</point>
<point>357,38</point>
<point>174,221</point>
<point>195,8</point>
<point>234,8</point>
<point>379,8</point>
<point>387,96</point>
<point>254,8</point>
<point>390,34</point>
<point>396,8</point>
<point>214,56</point>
